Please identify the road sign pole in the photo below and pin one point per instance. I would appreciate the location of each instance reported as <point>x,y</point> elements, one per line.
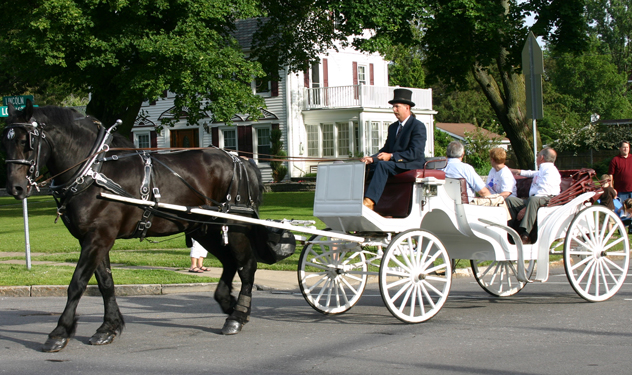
<point>27,243</point>
<point>533,105</point>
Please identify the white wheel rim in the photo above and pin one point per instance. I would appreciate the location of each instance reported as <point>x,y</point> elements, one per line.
<point>415,276</point>
<point>499,278</point>
<point>332,277</point>
<point>596,254</point>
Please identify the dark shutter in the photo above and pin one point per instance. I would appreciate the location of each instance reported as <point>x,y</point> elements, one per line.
<point>154,139</point>
<point>306,78</point>
<point>244,140</point>
<point>274,87</point>
<point>325,73</point>
<point>215,136</point>
<point>371,79</point>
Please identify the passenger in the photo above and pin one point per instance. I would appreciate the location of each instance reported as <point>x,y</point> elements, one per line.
<point>545,185</point>
<point>609,194</point>
<point>402,151</point>
<point>500,179</point>
<point>457,169</point>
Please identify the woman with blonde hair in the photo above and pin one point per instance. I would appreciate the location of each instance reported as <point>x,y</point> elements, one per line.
<point>500,179</point>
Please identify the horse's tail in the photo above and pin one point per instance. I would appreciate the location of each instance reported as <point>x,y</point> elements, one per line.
<point>258,199</point>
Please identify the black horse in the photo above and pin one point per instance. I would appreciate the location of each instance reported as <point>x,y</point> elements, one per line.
<point>75,150</point>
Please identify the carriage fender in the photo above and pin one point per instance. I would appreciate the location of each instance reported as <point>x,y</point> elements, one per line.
<point>552,225</point>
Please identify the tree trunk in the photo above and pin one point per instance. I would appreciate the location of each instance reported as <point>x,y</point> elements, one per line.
<point>108,111</point>
<point>509,105</point>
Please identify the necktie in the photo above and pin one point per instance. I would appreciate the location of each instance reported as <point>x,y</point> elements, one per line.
<point>399,129</point>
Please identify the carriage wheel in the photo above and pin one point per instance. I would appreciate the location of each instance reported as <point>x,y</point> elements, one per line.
<point>415,276</point>
<point>596,253</point>
<point>498,278</point>
<point>332,274</point>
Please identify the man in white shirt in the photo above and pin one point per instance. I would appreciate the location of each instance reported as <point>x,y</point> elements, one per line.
<point>545,185</point>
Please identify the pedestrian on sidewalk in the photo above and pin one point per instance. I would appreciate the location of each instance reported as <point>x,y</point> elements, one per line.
<point>198,253</point>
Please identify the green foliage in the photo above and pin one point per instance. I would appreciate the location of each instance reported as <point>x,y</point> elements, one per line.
<point>406,69</point>
<point>578,88</point>
<point>128,52</point>
<point>478,144</point>
<point>466,105</point>
<point>279,170</point>
<point>441,141</point>
<point>611,23</point>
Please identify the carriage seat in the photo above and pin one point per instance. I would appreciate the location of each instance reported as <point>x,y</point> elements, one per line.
<point>523,184</point>
<point>574,182</point>
<point>397,199</point>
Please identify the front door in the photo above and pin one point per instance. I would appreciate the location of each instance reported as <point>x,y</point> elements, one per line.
<point>185,138</point>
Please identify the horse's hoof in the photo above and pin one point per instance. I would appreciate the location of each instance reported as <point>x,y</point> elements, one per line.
<point>102,338</point>
<point>232,327</point>
<point>53,345</point>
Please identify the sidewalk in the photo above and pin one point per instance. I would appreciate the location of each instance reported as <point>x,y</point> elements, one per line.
<point>264,280</point>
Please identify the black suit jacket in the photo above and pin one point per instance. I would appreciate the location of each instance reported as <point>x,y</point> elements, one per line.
<point>408,148</point>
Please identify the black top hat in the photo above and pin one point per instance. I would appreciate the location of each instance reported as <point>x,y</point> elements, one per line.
<point>402,96</point>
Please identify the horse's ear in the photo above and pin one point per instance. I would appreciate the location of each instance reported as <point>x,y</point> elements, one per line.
<point>28,111</point>
<point>10,109</point>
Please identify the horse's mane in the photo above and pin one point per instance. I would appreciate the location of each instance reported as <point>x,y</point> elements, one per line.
<point>69,116</point>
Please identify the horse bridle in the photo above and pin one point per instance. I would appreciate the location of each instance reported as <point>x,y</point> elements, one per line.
<point>34,134</point>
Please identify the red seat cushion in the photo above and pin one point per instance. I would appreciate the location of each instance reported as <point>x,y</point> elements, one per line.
<point>396,200</point>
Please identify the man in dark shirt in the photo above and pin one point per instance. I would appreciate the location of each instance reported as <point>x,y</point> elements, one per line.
<point>620,172</point>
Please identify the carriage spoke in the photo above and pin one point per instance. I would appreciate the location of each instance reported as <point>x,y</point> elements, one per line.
<point>613,264</point>
<point>613,243</point>
<point>427,294</point>
<point>406,297</point>
<point>589,258</point>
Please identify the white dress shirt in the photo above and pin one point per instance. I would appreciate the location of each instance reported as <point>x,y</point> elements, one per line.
<point>546,180</point>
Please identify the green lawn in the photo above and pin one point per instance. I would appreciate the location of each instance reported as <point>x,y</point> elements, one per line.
<point>54,243</point>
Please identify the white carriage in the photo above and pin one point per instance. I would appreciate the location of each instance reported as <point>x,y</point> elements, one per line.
<point>422,222</point>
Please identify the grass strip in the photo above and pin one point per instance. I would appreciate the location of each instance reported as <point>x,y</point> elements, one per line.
<point>15,275</point>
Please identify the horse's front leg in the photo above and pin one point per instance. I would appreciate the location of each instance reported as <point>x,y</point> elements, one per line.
<point>241,312</point>
<point>113,323</point>
<point>93,249</point>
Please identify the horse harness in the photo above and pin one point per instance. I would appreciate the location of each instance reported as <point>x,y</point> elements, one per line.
<point>34,135</point>
<point>90,172</point>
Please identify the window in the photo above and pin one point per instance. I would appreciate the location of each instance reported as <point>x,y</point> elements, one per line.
<point>356,139</point>
<point>342,129</point>
<point>312,140</point>
<point>263,142</point>
<point>230,139</point>
<point>375,136</point>
<point>361,75</point>
<point>143,140</point>
<point>328,139</point>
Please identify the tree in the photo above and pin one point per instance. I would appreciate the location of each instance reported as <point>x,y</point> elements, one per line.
<point>459,37</point>
<point>578,91</point>
<point>610,21</point>
<point>126,52</point>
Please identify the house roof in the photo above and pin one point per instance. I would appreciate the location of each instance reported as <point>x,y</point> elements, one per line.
<point>244,30</point>
<point>458,130</point>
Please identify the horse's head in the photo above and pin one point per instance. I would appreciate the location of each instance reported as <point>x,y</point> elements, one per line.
<point>23,141</point>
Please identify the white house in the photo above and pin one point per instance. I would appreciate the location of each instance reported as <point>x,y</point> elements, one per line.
<point>336,110</point>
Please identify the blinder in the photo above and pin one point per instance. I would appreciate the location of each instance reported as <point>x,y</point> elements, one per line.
<point>33,143</point>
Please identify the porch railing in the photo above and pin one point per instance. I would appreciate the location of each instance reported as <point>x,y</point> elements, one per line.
<point>365,96</point>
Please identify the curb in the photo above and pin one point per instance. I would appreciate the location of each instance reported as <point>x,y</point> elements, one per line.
<point>93,290</point>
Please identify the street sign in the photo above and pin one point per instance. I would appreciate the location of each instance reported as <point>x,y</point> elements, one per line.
<point>533,68</point>
<point>4,111</point>
<point>17,101</point>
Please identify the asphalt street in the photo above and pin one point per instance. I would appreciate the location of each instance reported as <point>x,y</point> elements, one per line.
<point>545,329</point>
